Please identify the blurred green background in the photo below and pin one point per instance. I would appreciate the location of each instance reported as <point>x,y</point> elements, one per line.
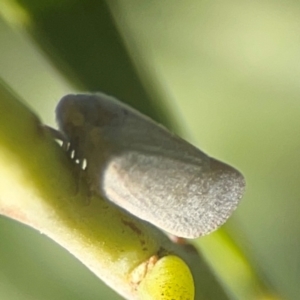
<point>223,74</point>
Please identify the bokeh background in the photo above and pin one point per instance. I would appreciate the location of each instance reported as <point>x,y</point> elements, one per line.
<point>223,74</point>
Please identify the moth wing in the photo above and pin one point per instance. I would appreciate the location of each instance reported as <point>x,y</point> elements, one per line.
<point>184,199</point>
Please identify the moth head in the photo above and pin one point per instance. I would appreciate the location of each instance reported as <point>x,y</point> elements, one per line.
<point>82,118</point>
<point>70,117</point>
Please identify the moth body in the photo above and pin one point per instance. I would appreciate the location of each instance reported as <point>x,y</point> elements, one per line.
<point>148,171</point>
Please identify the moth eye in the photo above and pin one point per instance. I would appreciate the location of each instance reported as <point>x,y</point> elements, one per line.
<point>77,119</point>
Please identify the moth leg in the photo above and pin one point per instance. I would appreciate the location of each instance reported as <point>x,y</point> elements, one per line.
<point>176,239</point>
<point>82,163</point>
<point>57,135</point>
<point>67,147</point>
<point>73,154</point>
